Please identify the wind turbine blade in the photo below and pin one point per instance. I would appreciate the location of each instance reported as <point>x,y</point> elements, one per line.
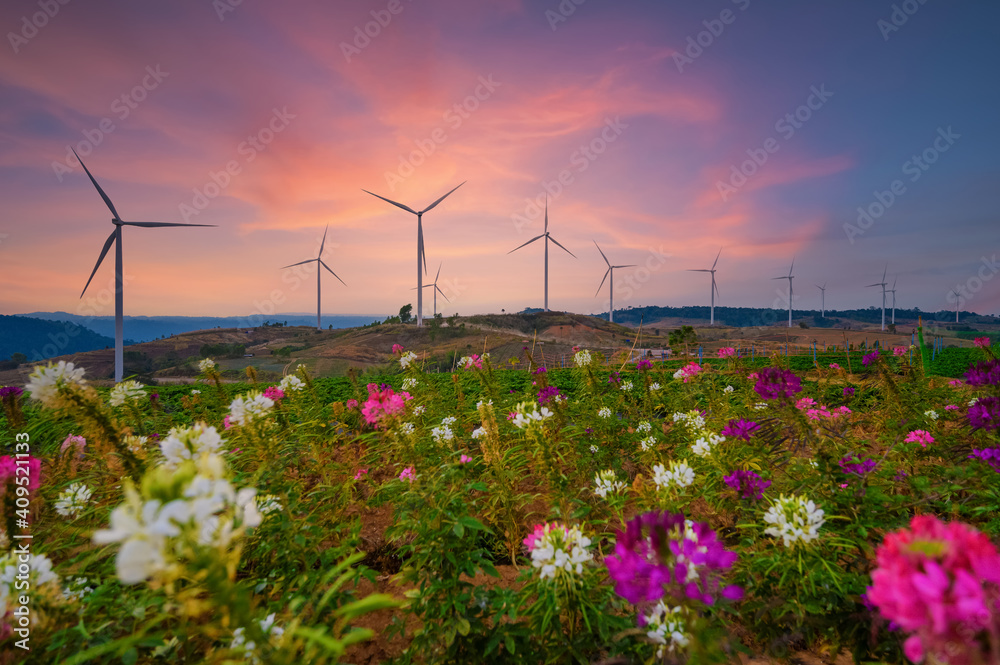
<point>602,282</point>
<point>717,258</point>
<point>441,292</point>
<point>567,251</point>
<point>527,243</point>
<point>602,253</point>
<point>782,277</point>
<point>323,243</point>
<point>104,252</point>
<point>331,272</point>
<point>398,205</point>
<point>420,248</point>
<point>791,267</point>
<point>99,190</point>
<point>299,263</point>
<point>698,270</point>
<point>885,271</point>
<point>631,265</point>
<point>894,279</point>
<point>716,288</point>
<point>438,273</point>
<point>440,200</point>
<point>547,214</point>
<point>157,225</point>
<point>871,285</point>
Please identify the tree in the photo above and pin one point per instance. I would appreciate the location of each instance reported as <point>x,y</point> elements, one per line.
<point>405,313</point>
<point>19,358</point>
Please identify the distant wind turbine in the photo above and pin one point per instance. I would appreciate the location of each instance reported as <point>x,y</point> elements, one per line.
<point>893,292</point>
<point>319,275</point>
<point>547,239</point>
<point>822,311</point>
<point>611,284</point>
<point>957,303</point>
<point>116,239</point>
<point>789,277</point>
<point>437,290</point>
<point>421,258</point>
<point>715,288</point>
<point>883,284</point>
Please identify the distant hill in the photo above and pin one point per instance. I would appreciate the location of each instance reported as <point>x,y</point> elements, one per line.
<point>38,339</point>
<point>148,328</point>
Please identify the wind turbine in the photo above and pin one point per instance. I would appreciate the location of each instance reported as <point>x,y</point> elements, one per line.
<point>421,258</point>
<point>547,239</point>
<point>715,288</point>
<point>893,292</point>
<point>957,303</point>
<point>319,275</point>
<point>116,239</point>
<point>611,284</point>
<point>883,284</point>
<point>789,277</point>
<point>436,289</point>
<point>822,311</point>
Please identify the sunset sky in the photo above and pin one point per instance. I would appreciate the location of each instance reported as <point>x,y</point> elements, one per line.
<point>645,126</point>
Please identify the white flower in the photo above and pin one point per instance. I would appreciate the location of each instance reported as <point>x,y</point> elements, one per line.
<point>78,589</point>
<point>184,443</point>
<point>448,420</point>
<point>406,359</point>
<point>794,519</point>
<point>728,389</point>
<point>654,386</point>
<point>478,432</point>
<point>291,383</point>
<point>409,383</point>
<point>127,391</point>
<point>666,627</point>
<point>647,443</point>
<point>931,413</point>
<point>706,442</point>
<point>44,382</point>
<point>760,406</point>
<point>249,649</point>
<point>245,409</point>
<point>582,358</point>
<point>406,428</point>
<point>644,427</point>
<point>480,403</point>
<point>136,443</point>
<point>560,550</point>
<point>523,417</point>
<point>196,392</point>
<point>417,410</point>
<point>442,433</point>
<point>678,473</point>
<point>626,386</point>
<point>693,420</point>
<point>15,581</point>
<point>973,401</point>
<point>206,365</point>
<point>604,412</point>
<point>606,482</point>
<point>268,503</point>
<point>594,448</point>
<point>73,500</point>
<point>679,374</point>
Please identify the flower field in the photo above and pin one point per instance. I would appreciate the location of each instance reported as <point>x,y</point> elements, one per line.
<point>657,512</point>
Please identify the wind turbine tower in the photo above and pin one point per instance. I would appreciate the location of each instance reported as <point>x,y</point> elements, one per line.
<point>789,277</point>
<point>319,275</point>
<point>715,287</point>
<point>611,285</point>
<point>547,238</point>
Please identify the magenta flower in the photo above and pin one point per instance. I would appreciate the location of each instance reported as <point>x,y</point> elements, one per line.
<point>8,472</point>
<point>740,429</point>
<point>351,404</point>
<point>834,366</point>
<point>985,413</point>
<point>361,473</point>
<point>275,393</point>
<point>10,392</point>
<point>899,351</point>
<point>397,348</point>
<point>662,554</point>
<point>688,372</point>
<point>644,364</point>
<point>869,358</point>
<point>919,436</point>
<point>408,474</point>
<point>73,441</point>
<point>848,391</point>
<point>989,455</point>
<point>383,404</point>
<point>534,537</point>
<point>226,423</point>
<point>464,459</point>
<point>982,342</point>
<point>984,374</point>
<point>540,370</point>
<point>747,484</point>
<point>775,383</point>
<point>940,582</point>
<point>548,393</point>
<point>727,352</point>
<point>951,407</point>
<point>854,465</point>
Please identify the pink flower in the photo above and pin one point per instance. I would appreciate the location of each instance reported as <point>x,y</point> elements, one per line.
<point>951,407</point>
<point>351,404</point>
<point>576,349</point>
<point>8,472</point>
<point>397,348</point>
<point>361,474</point>
<point>382,404</point>
<point>920,436</point>
<point>408,474</point>
<point>841,411</point>
<point>899,351</point>
<point>225,422</point>
<point>726,352</point>
<point>688,372</point>
<point>804,403</point>
<point>464,459</point>
<point>275,393</point>
<point>982,342</point>
<point>955,382</point>
<point>534,537</point>
<point>941,582</point>
<point>73,441</point>
<point>834,366</point>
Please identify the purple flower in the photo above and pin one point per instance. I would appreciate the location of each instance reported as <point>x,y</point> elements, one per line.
<point>614,378</point>
<point>848,391</point>
<point>869,358</point>
<point>984,374</point>
<point>589,430</point>
<point>852,464</point>
<point>900,475</point>
<point>11,392</point>
<point>747,483</point>
<point>540,370</point>
<point>985,413</point>
<point>774,382</point>
<point>662,554</point>
<point>548,393</point>
<point>644,364</point>
<point>989,455</point>
<point>740,429</point>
